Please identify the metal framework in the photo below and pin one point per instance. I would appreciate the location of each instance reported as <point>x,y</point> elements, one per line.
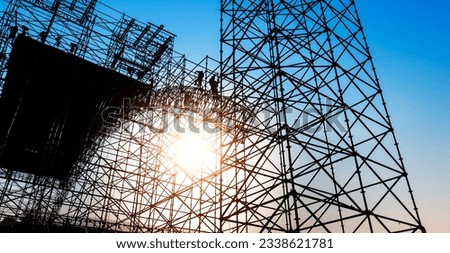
<point>327,157</point>
<point>92,31</point>
<point>296,138</point>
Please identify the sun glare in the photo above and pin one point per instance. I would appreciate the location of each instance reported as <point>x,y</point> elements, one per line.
<point>194,152</point>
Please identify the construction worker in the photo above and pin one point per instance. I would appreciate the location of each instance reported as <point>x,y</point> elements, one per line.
<point>199,80</point>
<point>13,33</point>
<point>214,85</point>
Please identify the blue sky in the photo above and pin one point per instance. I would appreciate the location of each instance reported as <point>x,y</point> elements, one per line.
<point>409,41</point>
<point>195,22</point>
<point>410,44</point>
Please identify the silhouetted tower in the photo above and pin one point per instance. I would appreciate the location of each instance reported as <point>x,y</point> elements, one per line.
<point>322,155</point>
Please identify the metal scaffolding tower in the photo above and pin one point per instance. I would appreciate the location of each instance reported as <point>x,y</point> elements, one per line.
<point>105,128</point>
<point>325,157</point>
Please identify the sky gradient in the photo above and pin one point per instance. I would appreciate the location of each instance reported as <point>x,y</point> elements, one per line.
<point>409,41</point>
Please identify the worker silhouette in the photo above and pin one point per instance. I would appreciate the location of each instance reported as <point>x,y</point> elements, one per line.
<point>199,80</point>
<point>214,85</point>
<point>13,32</point>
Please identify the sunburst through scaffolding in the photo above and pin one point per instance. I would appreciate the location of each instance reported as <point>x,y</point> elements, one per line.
<point>106,128</point>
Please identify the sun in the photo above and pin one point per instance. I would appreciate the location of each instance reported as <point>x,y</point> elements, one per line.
<point>194,152</point>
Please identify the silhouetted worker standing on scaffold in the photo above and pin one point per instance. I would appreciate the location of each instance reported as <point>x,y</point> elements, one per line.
<point>214,85</point>
<point>199,80</point>
<point>13,33</point>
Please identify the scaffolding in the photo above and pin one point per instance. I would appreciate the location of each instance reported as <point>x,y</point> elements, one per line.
<point>92,31</point>
<point>290,124</point>
<point>325,157</point>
